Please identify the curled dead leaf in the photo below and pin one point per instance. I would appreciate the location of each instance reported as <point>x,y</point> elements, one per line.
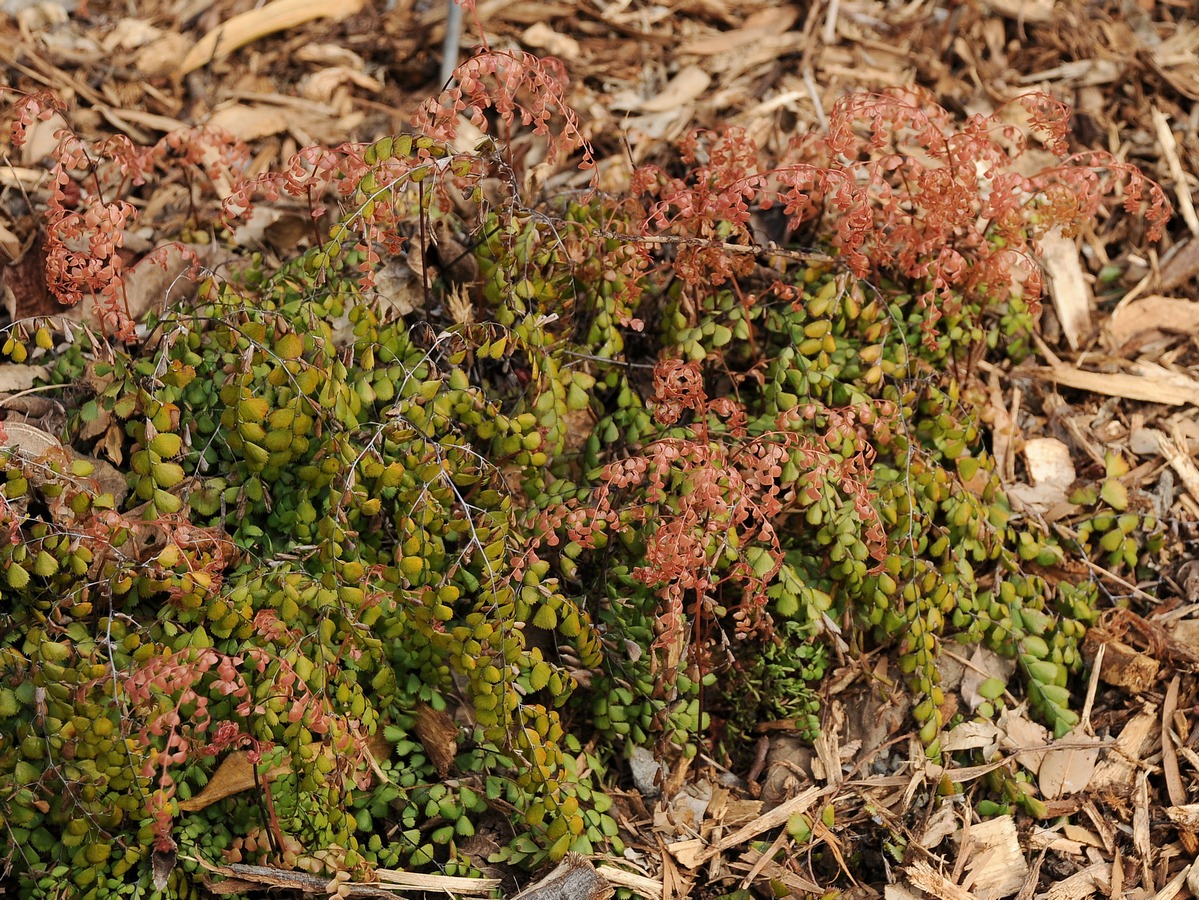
<point>234,775</point>
<point>438,735</point>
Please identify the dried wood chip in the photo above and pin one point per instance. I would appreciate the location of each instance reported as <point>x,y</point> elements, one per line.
<point>689,852</point>
<point>250,123</point>
<point>1141,840</point>
<point>160,57</point>
<point>1172,888</point>
<point>1180,266</point>
<point>1051,471</point>
<point>640,885</point>
<point>1142,319</point>
<point>1047,839</point>
<point>994,861</point>
<point>798,885</point>
<point>899,892</point>
<point>323,86</point>
<point>772,20</point>
<point>1185,816</point>
<point>449,884</point>
<point>1067,286</point>
<point>1176,451</point>
<point>942,823</point>
<point>330,55</point>
<point>542,37</point>
<point>1154,384</point>
<point>1024,10</point>
<point>1177,58</point>
<point>1079,73</point>
<point>1082,835</point>
<point>1049,462</point>
<point>926,878</point>
<point>1124,666</point>
<point>1080,885</point>
<point>1182,189</point>
<point>1136,740</point>
<point>240,879</point>
<point>247,27</point>
<point>686,86</point>
<point>1174,786</point>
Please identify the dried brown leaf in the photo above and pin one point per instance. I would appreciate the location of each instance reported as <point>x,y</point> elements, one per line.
<point>1067,770</point>
<point>234,775</point>
<point>15,377</point>
<point>438,734</point>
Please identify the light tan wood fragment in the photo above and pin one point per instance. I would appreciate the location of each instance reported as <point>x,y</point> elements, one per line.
<point>1141,841</point>
<point>1174,449</point>
<point>1185,816</point>
<point>1125,666</point>
<point>1151,315</point>
<point>1173,887</point>
<point>554,43</point>
<point>1024,10</point>
<point>449,884</point>
<point>926,878</point>
<point>1082,884</point>
<point>1174,786</point>
<point>640,885</point>
<point>1182,189</point>
<point>247,27</point>
<point>996,865</point>
<point>767,22</point>
<point>899,892</point>
<point>1067,286</point>
<point>1136,740</point>
<point>1153,388</point>
<point>686,86</point>
<point>689,852</point>
<point>1049,462</point>
<point>1046,839</point>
